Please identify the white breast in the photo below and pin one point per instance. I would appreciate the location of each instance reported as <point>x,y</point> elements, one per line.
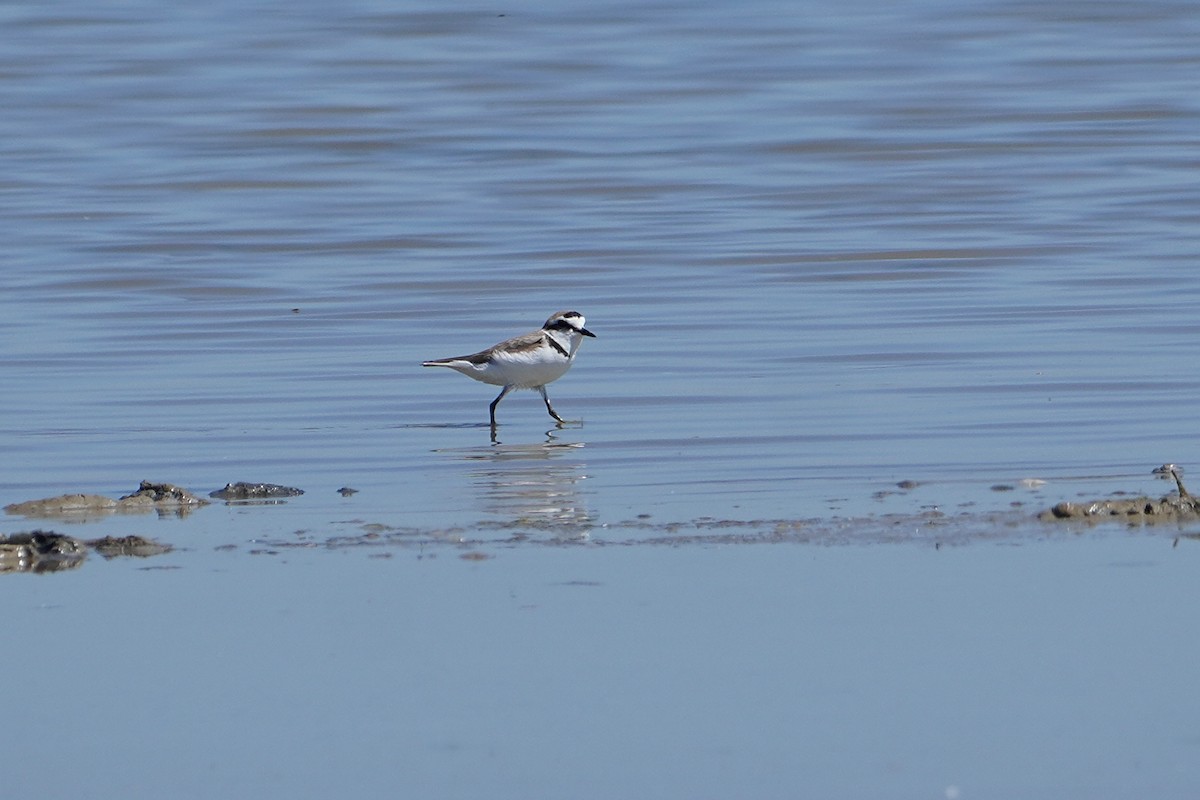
<point>528,368</point>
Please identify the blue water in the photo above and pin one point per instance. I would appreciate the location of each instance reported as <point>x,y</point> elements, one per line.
<point>825,249</point>
<point>1050,670</point>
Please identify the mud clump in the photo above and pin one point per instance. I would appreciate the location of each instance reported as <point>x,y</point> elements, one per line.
<point>46,551</point>
<point>1179,507</point>
<point>1147,508</point>
<point>255,491</point>
<point>136,546</point>
<point>64,504</point>
<point>148,496</point>
<point>40,551</point>
<point>161,494</point>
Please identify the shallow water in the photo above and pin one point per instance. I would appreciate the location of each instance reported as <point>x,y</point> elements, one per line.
<point>824,250</point>
<point>1051,669</point>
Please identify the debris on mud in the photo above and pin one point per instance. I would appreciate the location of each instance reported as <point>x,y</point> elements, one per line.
<point>255,491</point>
<point>40,551</point>
<point>1171,508</point>
<point>161,497</point>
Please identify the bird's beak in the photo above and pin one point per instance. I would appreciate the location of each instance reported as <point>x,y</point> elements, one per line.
<point>586,332</point>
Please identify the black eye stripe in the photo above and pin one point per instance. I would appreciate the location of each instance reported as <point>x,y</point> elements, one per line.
<point>565,323</point>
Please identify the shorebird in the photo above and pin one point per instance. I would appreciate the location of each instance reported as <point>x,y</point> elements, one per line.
<point>528,361</point>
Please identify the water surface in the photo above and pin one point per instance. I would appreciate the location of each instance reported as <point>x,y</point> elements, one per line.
<point>825,249</point>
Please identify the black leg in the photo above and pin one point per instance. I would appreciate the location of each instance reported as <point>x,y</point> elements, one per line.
<point>496,402</point>
<point>550,408</point>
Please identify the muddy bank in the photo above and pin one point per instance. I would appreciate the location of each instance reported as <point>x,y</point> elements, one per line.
<point>932,527</point>
<point>1178,507</point>
<point>1142,509</point>
<point>149,496</point>
<point>486,537</point>
<point>164,498</point>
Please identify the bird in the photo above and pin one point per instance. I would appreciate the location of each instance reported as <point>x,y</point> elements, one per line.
<point>528,361</point>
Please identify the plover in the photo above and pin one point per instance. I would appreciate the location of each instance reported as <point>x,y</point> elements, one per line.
<point>528,361</point>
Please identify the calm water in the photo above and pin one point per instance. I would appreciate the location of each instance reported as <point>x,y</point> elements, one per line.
<point>824,247</point>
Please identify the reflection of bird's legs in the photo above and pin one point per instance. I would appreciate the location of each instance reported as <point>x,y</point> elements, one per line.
<point>496,402</point>
<point>550,408</point>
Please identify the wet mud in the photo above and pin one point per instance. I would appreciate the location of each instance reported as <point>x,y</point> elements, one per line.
<point>132,546</point>
<point>1134,509</point>
<point>164,498</point>
<point>1172,508</point>
<point>256,491</point>
<point>481,540</point>
<point>46,551</point>
<point>149,496</point>
<point>40,551</point>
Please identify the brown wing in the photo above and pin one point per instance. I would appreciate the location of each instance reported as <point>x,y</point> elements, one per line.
<point>517,344</point>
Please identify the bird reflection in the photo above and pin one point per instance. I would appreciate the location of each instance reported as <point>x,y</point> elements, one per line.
<point>532,486</point>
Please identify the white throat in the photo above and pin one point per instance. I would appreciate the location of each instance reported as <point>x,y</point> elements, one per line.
<point>569,341</point>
